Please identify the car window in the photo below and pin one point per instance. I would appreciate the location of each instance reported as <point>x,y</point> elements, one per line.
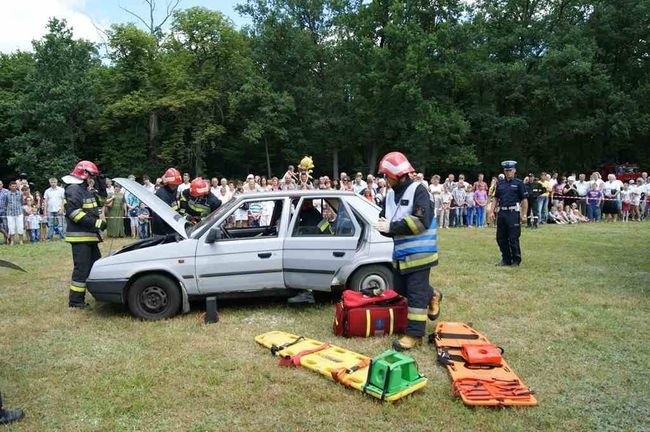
<point>323,217</point>
<point>253,219</point>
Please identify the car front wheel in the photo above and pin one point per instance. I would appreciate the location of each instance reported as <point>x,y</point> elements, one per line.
<point>154,297</point>
<point>372,277</point>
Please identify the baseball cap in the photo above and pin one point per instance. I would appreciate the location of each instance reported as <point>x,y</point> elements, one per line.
<point>250,177</point>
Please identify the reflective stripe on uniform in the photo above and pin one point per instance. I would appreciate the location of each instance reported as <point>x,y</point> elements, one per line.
<point>90,205</point>
<point>414,224</point>
<point>98,223</point>
<point>414,261</point>
<point>323,225</point>
<point>81,239</point>
<point>77,289</point>
<point>77,215</point>
<point>417,314</point>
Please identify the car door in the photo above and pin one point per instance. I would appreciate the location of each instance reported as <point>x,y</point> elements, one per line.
<point>246,258</point>
<point>315,249</point>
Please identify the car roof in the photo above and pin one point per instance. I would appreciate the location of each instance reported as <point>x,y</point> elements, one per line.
<point>294,193</point>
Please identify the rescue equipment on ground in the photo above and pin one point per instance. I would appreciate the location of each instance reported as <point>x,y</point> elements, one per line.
<point>361,315</point>
<point>389,376</point>
<point>479,374</point>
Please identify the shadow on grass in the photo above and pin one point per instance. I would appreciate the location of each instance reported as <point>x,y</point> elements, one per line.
<point>111,310</point>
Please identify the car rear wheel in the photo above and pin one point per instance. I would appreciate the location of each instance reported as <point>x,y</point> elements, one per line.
<point>371,276</point>
<point>154,297</point>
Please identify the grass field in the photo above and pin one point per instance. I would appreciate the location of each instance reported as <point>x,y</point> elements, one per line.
<point>573,319</point>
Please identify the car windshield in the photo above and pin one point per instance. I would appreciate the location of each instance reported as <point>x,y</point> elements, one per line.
<point>211,218</point>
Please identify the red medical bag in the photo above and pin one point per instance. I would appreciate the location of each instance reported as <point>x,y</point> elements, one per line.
<point>361,315</point>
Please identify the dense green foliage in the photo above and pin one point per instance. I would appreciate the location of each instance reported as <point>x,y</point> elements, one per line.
<point>555,84</point>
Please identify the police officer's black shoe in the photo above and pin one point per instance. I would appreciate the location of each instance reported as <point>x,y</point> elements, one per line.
<point>502,263</point>
<point>79,305</point>
<point>305,297</point>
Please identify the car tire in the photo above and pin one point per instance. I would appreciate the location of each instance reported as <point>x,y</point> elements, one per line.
<point>371,276</point>
<point>154,297</point>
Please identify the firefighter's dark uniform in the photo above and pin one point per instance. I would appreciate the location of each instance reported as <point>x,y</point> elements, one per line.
<point>534,190</point>
<point>415,250</point>
<point>198,208</point>
<point>158,225</point>
<point>509,194</point>
<point>83,232</point>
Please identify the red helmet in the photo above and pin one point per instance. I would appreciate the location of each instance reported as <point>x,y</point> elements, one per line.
<point>199,187</point>
<point>172,177</point>
<point>84,169</point>
<point>395,165</point>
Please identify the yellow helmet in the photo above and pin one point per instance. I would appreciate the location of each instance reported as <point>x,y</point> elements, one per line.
<point>306,163</point>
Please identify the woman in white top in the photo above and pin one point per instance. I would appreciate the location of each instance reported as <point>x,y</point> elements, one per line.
<point>435,189</point>
<point>612,191</point>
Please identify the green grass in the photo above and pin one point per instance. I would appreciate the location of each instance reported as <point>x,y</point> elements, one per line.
<point>573,320</point>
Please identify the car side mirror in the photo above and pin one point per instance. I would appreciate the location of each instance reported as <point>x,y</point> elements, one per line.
<point>214,235</point>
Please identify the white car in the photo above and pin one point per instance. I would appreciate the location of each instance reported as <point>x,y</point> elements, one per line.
<point>318,240</point>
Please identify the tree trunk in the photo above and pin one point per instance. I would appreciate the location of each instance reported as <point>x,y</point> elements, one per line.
<point>372,158</point>
<point>268,158</point>
<point>335,163</point>
<point>153,134</point>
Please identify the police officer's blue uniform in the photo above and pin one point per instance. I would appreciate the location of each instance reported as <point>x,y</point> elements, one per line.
<point>509,194</point>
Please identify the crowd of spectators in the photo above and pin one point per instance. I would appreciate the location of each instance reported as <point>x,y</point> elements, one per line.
<point>27,216</point>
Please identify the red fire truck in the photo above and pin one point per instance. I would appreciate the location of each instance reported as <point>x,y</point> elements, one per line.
<point>623,171</point>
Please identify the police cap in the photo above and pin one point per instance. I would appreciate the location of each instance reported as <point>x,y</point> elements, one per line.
<point>509,164</point>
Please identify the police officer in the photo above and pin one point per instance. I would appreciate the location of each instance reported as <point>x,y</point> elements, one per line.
<point>167,192</point>
<point>407,217</point>
<point>512,206</point>
<point>84,226</point>
<point>197,202</point>
<point>534,189</point>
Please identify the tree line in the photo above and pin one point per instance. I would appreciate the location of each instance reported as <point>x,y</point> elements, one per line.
<point>457,86</point>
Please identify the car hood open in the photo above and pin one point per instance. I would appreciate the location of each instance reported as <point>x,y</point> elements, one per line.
<point>156,205</point>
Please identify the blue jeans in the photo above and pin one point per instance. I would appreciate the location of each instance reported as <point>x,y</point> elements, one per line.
<point>34,235</point>
<point>469,217</point>
<point>54,224</point>
<point>458,217</point>
<point>480,213</point>
<point>143,230</point>
<point>593,212</point>
<point>542,208</point>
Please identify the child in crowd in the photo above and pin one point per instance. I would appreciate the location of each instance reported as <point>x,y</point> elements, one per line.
<point>471,206</point>
<point>241,214</point>
<point>144,216</point>
<point>481,200</point>
<point>575,211</point>
<point>32,220</point>
<point>443,216</point>
<point>554,216</point>
<point>635,201</point>
<point>625,199</point>
<point>594,199</point>
<point>568,215</point>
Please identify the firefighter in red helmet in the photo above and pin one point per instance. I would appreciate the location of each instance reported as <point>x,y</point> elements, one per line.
<point>167,192</point>
<point>84,225</point>
<point>197,202</point>
<point>407,216</point>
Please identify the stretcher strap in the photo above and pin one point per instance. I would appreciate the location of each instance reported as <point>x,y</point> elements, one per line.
<point>500,391</point>
<point>442,335</point>
<point>295,359</point>
<point>341,374</point>
<point>275,349</point>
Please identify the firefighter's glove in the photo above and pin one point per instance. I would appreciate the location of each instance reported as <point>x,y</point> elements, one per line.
<point>371,292</point>
<point>100,224</point>
<point>382,225</point>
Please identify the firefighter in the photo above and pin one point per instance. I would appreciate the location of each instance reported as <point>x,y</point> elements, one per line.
<point>407,217</point>
<point>84,225</point>
<point>167,192</point>
<point>511,202</point>
<point>197,202</point>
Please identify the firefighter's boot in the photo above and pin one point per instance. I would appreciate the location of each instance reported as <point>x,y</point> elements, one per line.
<point>406,343</point>
<point>433,310</point>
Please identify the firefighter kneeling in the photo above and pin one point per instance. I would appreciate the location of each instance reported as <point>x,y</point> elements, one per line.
<point>84,225</point>
<point>408,218</point>
<point>197,202</point>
